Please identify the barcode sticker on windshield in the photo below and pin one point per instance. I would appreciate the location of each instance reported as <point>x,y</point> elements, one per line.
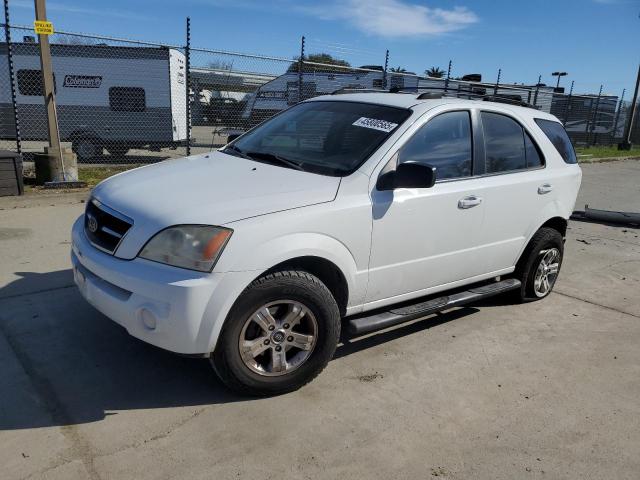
<point>376,124</point>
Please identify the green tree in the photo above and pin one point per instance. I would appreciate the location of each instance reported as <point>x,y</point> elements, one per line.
<point>398,69</point>
<point>324,58</point>
<point>435,72</point>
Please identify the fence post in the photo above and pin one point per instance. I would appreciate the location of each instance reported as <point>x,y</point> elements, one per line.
<point>495,89</point>
<point>595,115</point>
<point>187,56</point>
<point>300,68</point>
<point>386,65</point>
<point>7,36</point>
<point>535,96</point>
<point>617,119</point>
<point>566,108</point>
<point>446,82</point>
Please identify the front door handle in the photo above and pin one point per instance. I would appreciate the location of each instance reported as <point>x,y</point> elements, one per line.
<point>544,188</point>
<point>469,202</point>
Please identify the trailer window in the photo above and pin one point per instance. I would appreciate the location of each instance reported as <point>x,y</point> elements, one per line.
<point>30,82</point>
<point>127,99</point>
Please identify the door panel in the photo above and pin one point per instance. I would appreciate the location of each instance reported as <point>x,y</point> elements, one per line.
<point>421,238</point>
<point>511,204</point>
<point>426,237</point>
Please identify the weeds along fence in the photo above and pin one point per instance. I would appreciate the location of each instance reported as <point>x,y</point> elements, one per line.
<point>128,102</point>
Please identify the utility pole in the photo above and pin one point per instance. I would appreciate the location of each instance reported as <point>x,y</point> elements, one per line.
<point>55,149</point>
<point>626,139</point>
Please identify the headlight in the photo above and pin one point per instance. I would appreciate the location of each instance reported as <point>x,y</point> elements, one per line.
<point>196,247</point>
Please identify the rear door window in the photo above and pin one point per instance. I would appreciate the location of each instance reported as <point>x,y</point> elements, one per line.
<point>534,158</point>
<point>503,143</point>
<point>556,133</point>
<point>508,146</point>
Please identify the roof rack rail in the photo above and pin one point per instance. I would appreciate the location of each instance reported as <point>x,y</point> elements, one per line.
<point>429,95</point>
<point>473,93</point>
<point>344,90</point>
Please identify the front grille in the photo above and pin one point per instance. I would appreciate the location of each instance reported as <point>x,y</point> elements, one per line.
<point>105,227</point>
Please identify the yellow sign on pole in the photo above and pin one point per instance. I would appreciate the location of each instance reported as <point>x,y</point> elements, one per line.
<point>43,27</point>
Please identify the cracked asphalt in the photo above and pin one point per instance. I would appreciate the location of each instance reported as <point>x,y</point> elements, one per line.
<point>493,391</point>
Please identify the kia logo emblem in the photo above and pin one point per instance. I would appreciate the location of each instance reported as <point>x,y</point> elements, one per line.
<point>92,223</point>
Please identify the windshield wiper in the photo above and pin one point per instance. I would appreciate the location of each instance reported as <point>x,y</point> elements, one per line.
<point>277,158</point>
<point>236,152</point>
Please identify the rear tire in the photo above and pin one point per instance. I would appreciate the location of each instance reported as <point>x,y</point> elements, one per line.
<point>539,265</point>
<point>279,335</point>
<point>86,149</point>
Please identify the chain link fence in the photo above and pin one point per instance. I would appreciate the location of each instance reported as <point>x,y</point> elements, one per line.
<point>118,101</point>
<point>124,102</point>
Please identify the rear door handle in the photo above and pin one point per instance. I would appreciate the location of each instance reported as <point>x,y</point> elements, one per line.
<point>469,202</point>
<point>544,188</point>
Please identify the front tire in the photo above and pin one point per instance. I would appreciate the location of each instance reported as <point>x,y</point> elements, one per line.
<point>539,265</point>
<point>280,334</point>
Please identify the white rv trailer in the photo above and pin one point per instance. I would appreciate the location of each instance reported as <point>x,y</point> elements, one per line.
<point>282,92</point>
<point>108,97</point>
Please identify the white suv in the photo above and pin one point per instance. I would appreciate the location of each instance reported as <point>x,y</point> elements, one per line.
<point>364,210</point>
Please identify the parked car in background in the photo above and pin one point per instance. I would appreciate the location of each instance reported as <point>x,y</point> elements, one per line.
<point>361,210</point>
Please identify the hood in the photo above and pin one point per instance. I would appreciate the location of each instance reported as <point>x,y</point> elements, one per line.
<point>212,189</point>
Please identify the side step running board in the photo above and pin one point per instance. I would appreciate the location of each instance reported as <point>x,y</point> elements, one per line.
<point>395,316</point>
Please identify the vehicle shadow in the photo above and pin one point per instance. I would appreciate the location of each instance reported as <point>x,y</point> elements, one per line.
<point>64,363</point>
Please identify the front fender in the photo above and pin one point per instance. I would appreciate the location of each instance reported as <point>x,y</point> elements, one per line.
<point>246,268</point>
<point>295,245</point>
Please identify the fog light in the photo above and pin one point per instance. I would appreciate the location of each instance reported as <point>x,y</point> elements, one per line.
<point>148,318</point>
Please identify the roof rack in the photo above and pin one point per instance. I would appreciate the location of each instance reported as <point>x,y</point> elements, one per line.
<point>344,90</point>
<point>429,96</point>
<point>473,93</point>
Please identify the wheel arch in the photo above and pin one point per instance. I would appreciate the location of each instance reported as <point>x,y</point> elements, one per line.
<point>558,223</point>
<point>323,256</point>
<point>327,271</point>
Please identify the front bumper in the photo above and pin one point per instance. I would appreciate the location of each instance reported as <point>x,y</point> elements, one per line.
<point>172,308</point>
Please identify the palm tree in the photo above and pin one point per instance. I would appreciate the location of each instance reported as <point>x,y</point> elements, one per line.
<point>398,69</point>
<point>434,72</point>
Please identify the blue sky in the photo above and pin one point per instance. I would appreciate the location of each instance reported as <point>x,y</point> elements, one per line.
<point>595,41</point>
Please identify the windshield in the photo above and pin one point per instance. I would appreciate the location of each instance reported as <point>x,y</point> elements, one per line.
<point>330,138</point>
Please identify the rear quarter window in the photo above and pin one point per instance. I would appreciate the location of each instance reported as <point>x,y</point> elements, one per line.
<point>556,133</point>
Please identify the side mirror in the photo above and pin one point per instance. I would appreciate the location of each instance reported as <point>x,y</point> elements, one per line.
<point>410,174</point>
